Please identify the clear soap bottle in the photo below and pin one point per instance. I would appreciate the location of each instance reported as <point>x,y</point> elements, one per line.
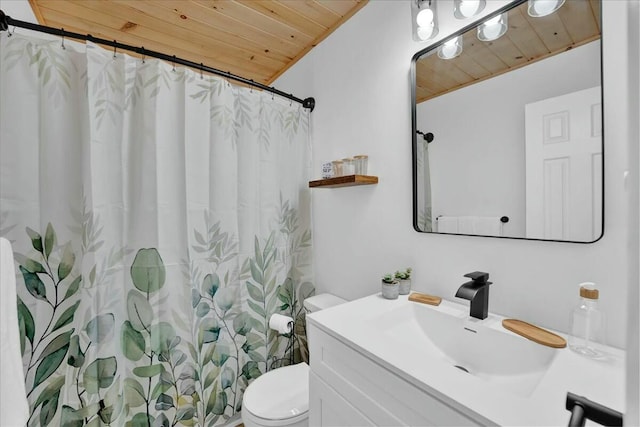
<point>587,326</point>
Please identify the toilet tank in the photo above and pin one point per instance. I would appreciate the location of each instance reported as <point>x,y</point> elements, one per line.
<point>321,301</point>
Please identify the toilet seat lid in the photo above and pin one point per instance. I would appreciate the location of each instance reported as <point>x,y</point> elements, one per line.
<point>279,394</point>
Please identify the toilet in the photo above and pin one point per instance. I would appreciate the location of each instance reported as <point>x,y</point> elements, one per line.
<point>280,397</point>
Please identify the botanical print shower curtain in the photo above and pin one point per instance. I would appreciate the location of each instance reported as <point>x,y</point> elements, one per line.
<point>158,218</point>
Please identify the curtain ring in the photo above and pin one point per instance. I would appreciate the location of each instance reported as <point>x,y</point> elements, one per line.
<point>10,33</point>
<point>251,86</point>
<point>62,43</point>
<point>143,55</point>
<point>291,100</point>
<point>201,67</point>
<point>114,49</point>
<point>174,63</point>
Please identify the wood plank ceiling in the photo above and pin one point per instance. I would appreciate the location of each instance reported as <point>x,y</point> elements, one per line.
<point>255,39</point>
<point>527,40</point>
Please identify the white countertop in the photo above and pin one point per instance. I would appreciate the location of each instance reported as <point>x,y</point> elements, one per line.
<point>602,381</point>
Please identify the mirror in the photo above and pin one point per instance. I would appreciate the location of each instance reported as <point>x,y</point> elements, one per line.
<point>507,136</point>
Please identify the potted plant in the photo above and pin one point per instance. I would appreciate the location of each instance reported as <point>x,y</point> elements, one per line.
<point>404,277</point>
<point>389,286</point>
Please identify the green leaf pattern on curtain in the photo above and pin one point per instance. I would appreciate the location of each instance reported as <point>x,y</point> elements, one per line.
<point>124,320</point>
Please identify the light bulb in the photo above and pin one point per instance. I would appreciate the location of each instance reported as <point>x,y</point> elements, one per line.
<point>425,33</point>
<point>451,48</point>
<point>467,8</point>
<point>493,29</point>
<point>539,8</point>
<point>425,18</point>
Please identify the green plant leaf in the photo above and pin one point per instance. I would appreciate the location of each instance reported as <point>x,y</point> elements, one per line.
<point>139,311</point>
<point>242,323</point>
<point>256,274</point>
<point>34,285</point>
<point>24,315</point>
<point>255,292</point>
<point>227,377</point>
<point>162,335</point>
<point>132,342</point>
<point>225,299</point>
<point>100,374</point>
<point>185,413</point>
<point>210,284</point>
<point>51,357</point>
<point>49,240</point>
<point>162,421</point>
<point>148,371</point>
<point>211,402</point>
<point>160,388</point>
<point>70,418</point>
<point>49,409</point>
<point>73,287</point>
<point>250,370</point>
<point>209,331</point>
<point>66,317</point>
<point>211,377</point>
<point>202,309</point>
<point>141,420</point>
<point>220,403</point>
<point>50,390</point>
<point>195,298</point>
<point>148,271</point>
<point>164,402</point>
<point>76,357</point>
<point>256,308</point>
<point>220,355</point>
<point>36,239</point>
<point>133,393</point>
<point>100,327</point>
<point>30,264</point>
<point>66,263</point>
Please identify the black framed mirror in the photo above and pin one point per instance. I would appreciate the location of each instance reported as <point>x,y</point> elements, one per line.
<point>507,133</point>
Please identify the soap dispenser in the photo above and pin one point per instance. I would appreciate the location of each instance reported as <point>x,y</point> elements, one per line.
<point>587,326</point>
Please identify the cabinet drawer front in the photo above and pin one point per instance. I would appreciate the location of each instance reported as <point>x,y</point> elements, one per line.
<point>379,393</point>
<point>328,408</point>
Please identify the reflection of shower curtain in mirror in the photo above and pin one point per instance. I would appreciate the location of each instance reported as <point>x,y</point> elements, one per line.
<point>424,196</point>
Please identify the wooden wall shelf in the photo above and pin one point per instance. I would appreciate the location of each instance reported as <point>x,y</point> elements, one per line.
<point>344,181</point>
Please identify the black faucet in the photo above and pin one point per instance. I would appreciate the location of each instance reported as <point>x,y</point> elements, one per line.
<point>476,291</point>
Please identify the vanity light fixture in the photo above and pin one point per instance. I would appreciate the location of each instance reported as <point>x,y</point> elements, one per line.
<point>493,28</point>
<point>425,22</point>
<point>540,8</point>
<point>463,9</point>
<point>451,48</point>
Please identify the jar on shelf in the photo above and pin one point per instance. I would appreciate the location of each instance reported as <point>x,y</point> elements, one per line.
<point>348,167</point>
<point>337,168</point>
<point>360,163</point>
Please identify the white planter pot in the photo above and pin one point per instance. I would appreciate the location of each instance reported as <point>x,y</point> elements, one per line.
<point>404,287</point>
<point>390,290</point>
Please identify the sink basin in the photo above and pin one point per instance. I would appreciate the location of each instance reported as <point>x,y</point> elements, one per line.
<point>481,348</point>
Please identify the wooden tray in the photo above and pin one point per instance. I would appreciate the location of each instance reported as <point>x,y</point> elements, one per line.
<point>425,299</point>
<point>534,333</point>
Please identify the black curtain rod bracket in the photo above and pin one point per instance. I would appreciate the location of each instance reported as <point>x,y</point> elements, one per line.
<point>6,21</point>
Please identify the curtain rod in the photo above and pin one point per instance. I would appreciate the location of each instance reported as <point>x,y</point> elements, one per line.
<point>6,21</point>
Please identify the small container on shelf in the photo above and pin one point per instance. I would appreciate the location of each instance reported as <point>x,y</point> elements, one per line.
<point>348,167</point>
<point>360,163</point>
<point>337,168</point>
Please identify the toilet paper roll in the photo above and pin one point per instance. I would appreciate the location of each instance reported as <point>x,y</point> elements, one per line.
<point>280,323</point>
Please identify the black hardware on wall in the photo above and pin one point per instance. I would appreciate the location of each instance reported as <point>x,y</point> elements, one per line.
<point>428,136</point>
<point>6,21</point>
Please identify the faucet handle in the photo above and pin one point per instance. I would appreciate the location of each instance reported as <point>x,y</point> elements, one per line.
<point>479,277</point>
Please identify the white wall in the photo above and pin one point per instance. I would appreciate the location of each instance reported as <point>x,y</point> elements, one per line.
<point>477,158</point>
<point>360,79</point>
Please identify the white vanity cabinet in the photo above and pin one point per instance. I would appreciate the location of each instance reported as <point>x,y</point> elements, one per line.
<point>347,387</point>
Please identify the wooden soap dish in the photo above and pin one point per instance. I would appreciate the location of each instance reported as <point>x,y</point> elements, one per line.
<point>425,299</point>
<point>534,333</point>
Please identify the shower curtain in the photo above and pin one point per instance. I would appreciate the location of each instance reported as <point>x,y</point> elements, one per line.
<point>425,220</point>
<point>159,217</point>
